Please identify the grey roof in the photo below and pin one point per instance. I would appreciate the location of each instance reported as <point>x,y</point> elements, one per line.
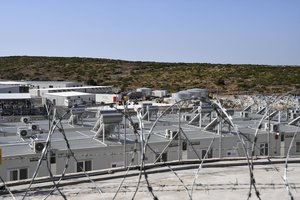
<point>81,137</point>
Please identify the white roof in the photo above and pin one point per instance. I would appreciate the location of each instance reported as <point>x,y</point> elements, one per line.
<point>70,88</point>
<point>68,94</point>
<point>15,96</point>
<point>13,83</point>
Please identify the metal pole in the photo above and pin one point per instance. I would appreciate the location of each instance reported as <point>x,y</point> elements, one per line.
<point>269,138</point>
<point>125,156</point>
<point>220,135</point>
<point>179,135</point>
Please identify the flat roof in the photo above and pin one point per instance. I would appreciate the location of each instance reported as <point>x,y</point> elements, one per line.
<point>46,82</point>
<point>70,88</point>
<point>14,96</point>
<point>13,83</point>
<point>69,94</point>
<point>81,137</point>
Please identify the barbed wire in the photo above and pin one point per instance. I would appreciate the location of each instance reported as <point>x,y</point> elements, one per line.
<point>7,188</point>
<point>145,146</point>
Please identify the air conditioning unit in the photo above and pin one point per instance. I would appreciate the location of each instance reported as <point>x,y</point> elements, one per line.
<point>171,134</point>
<point>274,127</point>
<point>267,127</point>
<point>168,132</point>
<point>244,114</point>
<point>293,115</point>
<point>38,145</point>
<point>24,132</point>
<point>33,127</point>
<point>187,117</point>
<point>25,120</point>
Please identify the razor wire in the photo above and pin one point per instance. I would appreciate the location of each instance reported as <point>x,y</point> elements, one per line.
<point>7,188</point>
<point>256,134</point>
<point>134,150</point>
<point>145,144</point>
<point>252,180</point>
<point>55,124</point>
<point>53,127</point>
<point>285,177</point>
<point>142,165</point>
<point>74,157</point>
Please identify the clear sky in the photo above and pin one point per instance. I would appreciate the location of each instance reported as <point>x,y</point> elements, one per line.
<point>211,31</point>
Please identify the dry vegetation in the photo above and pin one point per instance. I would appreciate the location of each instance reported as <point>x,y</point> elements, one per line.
<point>171,76</point>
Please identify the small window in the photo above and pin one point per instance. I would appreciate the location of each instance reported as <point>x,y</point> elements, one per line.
<point>80,167</point>
<point>18,174</point>
<point>263,149</point>
<point>209,154</point>
<point>163,157</point>
<point>184,146</point>
<point>13,175</point>
<point>88,165</point>
<point>23,173</point>
<point>52,157</point>
<point>84,166</point>
<point>297,147</point>
<point>282,137</point>
<point>50,86</point>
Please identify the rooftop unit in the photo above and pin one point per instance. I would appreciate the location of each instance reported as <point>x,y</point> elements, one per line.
<point>37,145</point>
<point>106,123</point>
<point>244,114</point>
<point>24,132</point>
<point>171,134</point>
<point>28,131</point>
<point>25,120</point>
<point>272,127</point>
<point>148,110</point>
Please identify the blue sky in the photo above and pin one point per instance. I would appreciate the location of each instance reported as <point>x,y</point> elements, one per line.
<point>211,31</point>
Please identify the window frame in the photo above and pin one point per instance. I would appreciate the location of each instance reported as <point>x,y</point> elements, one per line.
<point>263,149</point>
<point>297,146</point>
<point>163,157</point>
<point>84,165</point>
<point>18,171</point>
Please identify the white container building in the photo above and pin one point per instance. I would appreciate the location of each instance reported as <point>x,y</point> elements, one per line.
<point>145,91</point>
<point>69,98</point>
<point>20,155</point>
<point>182,95</point>
<point>53,84</point>
<point>198,93</point>
<point>107,98</point>
<point>159,93</point>
<point>87,89</point>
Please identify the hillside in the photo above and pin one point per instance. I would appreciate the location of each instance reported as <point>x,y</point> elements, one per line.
<point>170,76</point>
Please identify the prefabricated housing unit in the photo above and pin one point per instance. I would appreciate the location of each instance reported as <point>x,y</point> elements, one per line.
<point>69,98</point>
